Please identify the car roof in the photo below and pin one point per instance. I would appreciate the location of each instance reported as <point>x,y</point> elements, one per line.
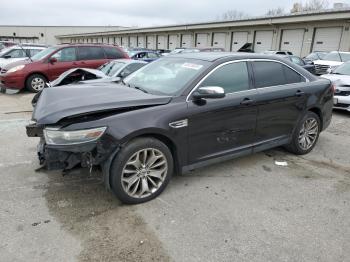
<point>213,56</point>
<point>26,47</point>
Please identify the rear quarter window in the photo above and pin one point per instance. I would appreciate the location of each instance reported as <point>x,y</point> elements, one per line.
<point>90,53</point>
<point>113,53</point>
<point>273,74</point>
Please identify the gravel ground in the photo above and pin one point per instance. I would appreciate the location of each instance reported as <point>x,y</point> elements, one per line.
<point>247,209</point>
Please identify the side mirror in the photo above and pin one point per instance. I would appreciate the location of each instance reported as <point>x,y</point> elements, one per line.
<point>211,92</point>
<point>53,60</point>
<point>116,79</point>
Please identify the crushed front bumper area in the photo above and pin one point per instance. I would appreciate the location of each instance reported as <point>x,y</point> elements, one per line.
<point>54,157</point>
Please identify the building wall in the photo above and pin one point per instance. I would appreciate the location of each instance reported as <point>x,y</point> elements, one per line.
<point>46,34</point>
<point>309,24</point>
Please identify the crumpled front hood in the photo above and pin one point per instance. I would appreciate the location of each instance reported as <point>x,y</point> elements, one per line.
<point>56,103</point>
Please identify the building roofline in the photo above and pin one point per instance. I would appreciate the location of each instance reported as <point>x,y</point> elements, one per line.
<point>341,13</point>
<point>87,26</point>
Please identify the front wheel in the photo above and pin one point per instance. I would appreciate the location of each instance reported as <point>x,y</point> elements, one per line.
<point>141,170</point>
<point>35,83</point>
<point>306,134</point>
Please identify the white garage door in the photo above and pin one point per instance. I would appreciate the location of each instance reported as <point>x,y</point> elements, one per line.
<point>118,40</point>
<point>141,41</point>
<point>327,39</point>
<point>133,41</point>
<point>202,40</point>
<point>219,40</point>
<point>186,41</point>
<point>238,40</point>
<point>161,42</point>
<point>173,42</point>
<point>105,40</point>
<point>151,42</point>
<point>263,41</point>
<point>292,40</point>
<point>125,41</point>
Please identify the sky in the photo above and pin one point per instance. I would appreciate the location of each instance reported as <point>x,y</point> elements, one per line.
<point>139,13</point>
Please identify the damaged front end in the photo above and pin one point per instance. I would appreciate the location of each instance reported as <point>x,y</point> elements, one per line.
<point>60,149</point>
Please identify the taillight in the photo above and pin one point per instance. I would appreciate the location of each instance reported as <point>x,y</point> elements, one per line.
<point>333,88</point>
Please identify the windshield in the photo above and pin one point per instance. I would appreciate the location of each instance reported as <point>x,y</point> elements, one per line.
<point>4,51</point>
<point>43,53</point>
<point>111,68</point>
<point>332,57</point>
<point>166,76</point>
<point>344,69</point>
<point>132,53</point>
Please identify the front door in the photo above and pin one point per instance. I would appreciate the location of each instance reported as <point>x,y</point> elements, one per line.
<point>66,59</point>
<point>219,127</point>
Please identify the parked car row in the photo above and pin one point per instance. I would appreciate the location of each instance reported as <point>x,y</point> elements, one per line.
<point>177,114</point>
<point>50,63</point>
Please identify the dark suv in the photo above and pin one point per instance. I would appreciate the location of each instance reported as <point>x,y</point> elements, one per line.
<point>180,113</point>
<point>52,62</point>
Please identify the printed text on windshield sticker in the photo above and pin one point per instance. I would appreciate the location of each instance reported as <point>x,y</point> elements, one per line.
<point>192,66</point>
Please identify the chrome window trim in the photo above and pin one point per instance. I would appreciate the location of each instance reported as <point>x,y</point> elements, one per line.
<point>239,61</point>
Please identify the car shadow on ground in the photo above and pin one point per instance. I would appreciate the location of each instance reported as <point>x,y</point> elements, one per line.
<point>108,230</point>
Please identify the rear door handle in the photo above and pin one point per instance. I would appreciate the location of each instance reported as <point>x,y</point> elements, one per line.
<point>247,102</point>
<point>299,93</point>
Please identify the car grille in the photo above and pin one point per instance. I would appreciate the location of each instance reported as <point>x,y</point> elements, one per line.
<point>342,105</point>
<point>342,93</point>
<point>321,69</point>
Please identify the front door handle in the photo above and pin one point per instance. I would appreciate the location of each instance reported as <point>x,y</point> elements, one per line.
<point>299,93</point>
<point>247,102</point>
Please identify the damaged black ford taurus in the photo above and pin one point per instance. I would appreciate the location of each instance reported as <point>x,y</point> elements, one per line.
<point>180,113</point>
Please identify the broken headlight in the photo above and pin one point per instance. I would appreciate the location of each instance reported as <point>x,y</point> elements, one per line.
<point>55,136</point>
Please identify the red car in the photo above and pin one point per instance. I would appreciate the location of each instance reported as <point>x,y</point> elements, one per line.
<point>52,62</point>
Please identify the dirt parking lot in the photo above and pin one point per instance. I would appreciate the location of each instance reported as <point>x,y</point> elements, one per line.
<point>247,209</point>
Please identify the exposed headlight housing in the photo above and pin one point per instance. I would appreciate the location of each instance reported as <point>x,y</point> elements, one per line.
<point>54,136</point>
<point>16,68</point>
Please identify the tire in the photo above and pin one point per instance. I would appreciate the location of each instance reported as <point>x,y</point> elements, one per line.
<point>35,83</point>
<point>312,124</point>
<point>126,167</point>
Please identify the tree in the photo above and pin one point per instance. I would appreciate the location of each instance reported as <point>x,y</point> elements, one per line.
<point>311,5</point>
<point>233,15</point>
<point>275,12</point>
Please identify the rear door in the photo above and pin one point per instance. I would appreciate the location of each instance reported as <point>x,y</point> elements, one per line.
<point>219,127</point>
<point>281,101</point>
<point>66,59</point>
<point>91,56</point>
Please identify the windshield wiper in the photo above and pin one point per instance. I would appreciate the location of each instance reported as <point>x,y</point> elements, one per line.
<point>141,89</point>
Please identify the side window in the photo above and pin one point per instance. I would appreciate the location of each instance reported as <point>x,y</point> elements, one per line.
<point>113,53</point>
<point>152,55</point>
<point>292,76</point>
<point>17,53</point>
<point>273,74</point>
<point>90,53</point>
<point>232,77</point>
<point>66,55</point>
<point>130,69</point>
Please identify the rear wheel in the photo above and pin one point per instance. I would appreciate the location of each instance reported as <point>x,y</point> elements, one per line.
<point>141,170</point>
<point>306,134</point>
<point>35,83</point>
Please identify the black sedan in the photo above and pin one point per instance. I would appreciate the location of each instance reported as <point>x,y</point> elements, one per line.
<point>180,113</point>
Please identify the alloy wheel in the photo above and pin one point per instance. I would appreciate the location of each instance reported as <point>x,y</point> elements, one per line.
<point>38,84</point>
<point>308,133</point>
<point>144,173</point>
